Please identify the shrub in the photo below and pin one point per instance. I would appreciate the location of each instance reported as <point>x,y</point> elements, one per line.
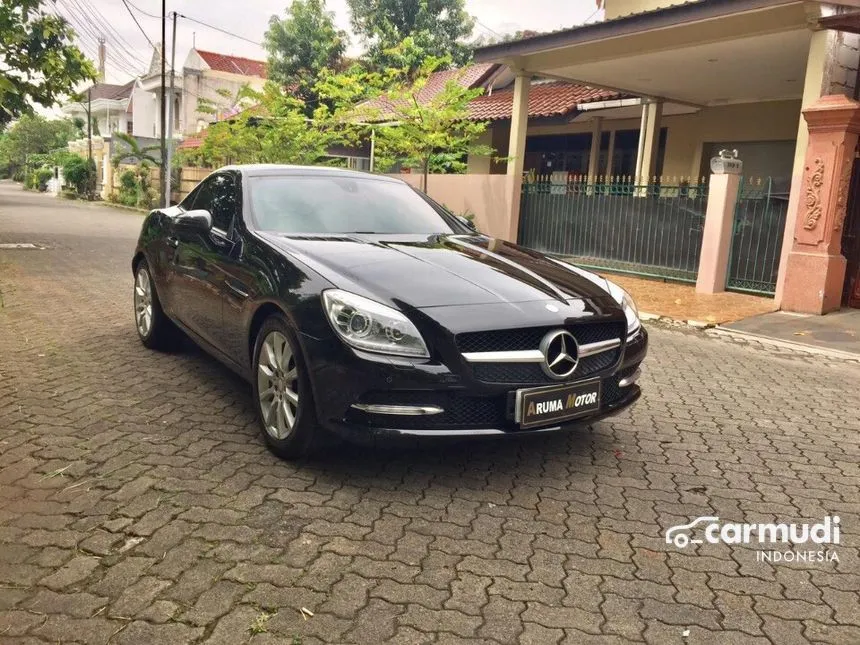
<point>80,173</point>
<point>43,176</point>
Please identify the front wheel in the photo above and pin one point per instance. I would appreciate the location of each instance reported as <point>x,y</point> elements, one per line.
<point>282,391</point>
<point>154,328</point>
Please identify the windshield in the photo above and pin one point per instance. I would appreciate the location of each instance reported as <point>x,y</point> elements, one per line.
<point>331,204</point>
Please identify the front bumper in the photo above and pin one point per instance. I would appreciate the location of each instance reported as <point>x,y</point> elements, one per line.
<point>349,385</point>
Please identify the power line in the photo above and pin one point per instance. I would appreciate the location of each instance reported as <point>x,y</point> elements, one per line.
<point>223,31</point>
<point>109,31</point>
<point>91,39</point>
<point>138,9</point>
<point>133,17</point>
<point>492,31</point>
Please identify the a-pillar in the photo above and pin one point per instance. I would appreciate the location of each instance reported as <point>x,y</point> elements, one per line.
<point>815,268</point>
<point>517,153</point>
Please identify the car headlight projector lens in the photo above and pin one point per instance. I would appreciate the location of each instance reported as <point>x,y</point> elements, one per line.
<point>371,326</point>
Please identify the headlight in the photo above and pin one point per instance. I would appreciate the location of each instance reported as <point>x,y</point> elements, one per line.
<point>371,326</point>
<point>626,301</point>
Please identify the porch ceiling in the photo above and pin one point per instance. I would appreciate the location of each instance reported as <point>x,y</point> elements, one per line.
<point>708,53</point>
<point>760,68</point>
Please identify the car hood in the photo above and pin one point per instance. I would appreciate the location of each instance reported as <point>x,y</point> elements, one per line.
<point>439,270</point>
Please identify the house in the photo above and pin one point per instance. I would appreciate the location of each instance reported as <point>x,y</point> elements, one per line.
<point>110,106</point>
<point>696,78</point>
<point>207,86</point>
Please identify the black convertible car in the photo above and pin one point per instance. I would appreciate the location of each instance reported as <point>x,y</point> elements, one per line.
<point>355,304</point>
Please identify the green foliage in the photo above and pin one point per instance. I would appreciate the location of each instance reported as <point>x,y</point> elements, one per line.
<point>30,139</point>
<point>438,27</point>
<point>134,152</point>
<point>81,174</point>
<point>275,131</point>
<point>43,176</point>
<point>434,135</point>
<point>40,62</point>
<point>135,188</point>
<point>301,46</point>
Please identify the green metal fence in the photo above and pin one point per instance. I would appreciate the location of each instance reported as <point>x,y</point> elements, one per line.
<point>758,228</point>
<point>651,230</point>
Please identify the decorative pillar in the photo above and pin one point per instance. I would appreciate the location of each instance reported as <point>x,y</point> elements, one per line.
<point>815,269</point>
<point>649,144</point>
<point>719,221</point>
<point>517,152</point>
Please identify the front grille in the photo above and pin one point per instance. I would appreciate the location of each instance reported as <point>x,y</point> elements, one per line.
<point>460,411</point>
<point>512,340</point>
<point>528,373</point>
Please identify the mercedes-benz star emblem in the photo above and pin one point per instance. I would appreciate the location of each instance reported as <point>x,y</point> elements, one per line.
<point>560,354</point>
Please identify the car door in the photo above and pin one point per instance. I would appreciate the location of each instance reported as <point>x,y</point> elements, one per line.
<point>198,280</point>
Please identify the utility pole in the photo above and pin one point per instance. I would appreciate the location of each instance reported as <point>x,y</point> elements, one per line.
<point>92,180</point>
<point>170,116</point>
<point>165,198</point>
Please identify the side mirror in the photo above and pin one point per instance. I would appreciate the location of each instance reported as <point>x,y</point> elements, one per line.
<point>465,221</point>
<point>194,221</point>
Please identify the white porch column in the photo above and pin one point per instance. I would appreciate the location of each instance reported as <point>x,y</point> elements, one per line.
<point>610,153</point>
<point>594,153</point>
<point>649,141</point>
<point>517,153</point>
<point>519,125</point>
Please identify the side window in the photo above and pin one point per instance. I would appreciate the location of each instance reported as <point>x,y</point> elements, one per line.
<point>218,195</point>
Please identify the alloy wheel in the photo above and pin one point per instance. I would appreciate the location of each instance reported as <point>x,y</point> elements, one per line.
<point>278,385</point>
<point>143,302</point>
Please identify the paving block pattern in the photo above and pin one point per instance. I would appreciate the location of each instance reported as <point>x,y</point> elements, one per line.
<point>138,504</point>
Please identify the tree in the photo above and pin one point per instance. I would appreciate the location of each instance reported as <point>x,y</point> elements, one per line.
<point>31,136</point>
<point>39,63</point>
<point>301,45</point>
<point>134,152</point>
<point>274,130</point>
<point>80,173</point>
<point>432,134</point>
<point>438,27</point>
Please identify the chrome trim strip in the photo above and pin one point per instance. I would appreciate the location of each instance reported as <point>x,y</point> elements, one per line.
<point>524,356</point>
<point>630,380</point>
<point>403,410</point>
<point>599,347</point>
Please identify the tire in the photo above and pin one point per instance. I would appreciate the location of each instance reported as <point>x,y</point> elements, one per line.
<point>154,328</point>
<point>282,391</point>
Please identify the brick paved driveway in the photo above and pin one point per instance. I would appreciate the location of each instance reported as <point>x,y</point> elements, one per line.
<point>138,505</point>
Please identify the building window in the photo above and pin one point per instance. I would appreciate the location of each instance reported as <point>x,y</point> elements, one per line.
<point>129,127</point>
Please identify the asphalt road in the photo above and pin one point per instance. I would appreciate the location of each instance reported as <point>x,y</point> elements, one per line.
<point>138,504</point>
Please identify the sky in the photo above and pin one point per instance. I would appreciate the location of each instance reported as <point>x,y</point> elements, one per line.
<point>129,51</point>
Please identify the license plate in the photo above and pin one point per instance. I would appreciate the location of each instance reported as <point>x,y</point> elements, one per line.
<point>544,405</point>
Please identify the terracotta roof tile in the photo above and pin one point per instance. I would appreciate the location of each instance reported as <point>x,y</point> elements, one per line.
<point>468,77</point>
<point>234,64</point>
<point>546,99</point>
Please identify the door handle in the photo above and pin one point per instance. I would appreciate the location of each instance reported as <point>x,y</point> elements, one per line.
<point>236,289</point>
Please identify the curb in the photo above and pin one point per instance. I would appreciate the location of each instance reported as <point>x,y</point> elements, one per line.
<point>667,320</point>
<point>785,344</point>
<point>119,206</point>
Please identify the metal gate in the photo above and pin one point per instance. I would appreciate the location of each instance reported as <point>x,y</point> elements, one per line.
<point>651,230</point>
<point>759,224</point>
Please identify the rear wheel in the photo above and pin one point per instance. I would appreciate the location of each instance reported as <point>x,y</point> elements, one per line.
<point>282,391</point>
<point>154,328</point>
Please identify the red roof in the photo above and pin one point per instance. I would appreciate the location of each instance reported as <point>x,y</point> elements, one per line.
<point>546,99</point>
<point>193,141</point>
<point>468,77</point>
<point>234,64</point>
